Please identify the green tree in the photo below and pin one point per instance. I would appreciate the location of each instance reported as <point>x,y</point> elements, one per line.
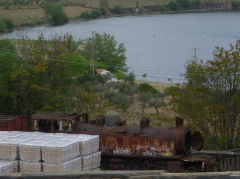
<point>9,23</point>
<point>41,79</point>
<point>103,49</point>
<point>146,92</point>
<point>210,99</point>
<point>157,101</point>
<point>56,12</point>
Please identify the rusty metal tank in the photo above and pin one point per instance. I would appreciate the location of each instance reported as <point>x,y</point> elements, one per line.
<point>142,141</point>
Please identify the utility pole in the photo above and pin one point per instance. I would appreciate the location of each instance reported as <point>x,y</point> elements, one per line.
<point>93,55</point>
<point>93,50</point>
<point>195,54</point>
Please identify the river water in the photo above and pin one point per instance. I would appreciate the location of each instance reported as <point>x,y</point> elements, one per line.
<point>158,45</point>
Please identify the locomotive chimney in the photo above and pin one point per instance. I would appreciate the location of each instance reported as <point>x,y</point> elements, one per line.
<point>144,122</point>
<point>179,122</point>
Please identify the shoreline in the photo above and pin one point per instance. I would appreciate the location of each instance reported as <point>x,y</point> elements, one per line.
<point>129,14</point>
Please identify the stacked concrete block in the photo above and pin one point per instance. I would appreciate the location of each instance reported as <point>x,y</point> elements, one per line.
<point>30,167</point>
<point>94,143</point>
<point>77,165</point>
<point>36,152</point>
<point>31,150</point>
<point>57,168</point>
<point>6,167</point>
<point>34,135</point>
<point>87,162</point>
<point>61,151</point>
<point>8,134</point>
<point>9,148</point>
<point>71,166</point>
<point>96,160</point>
<point>15,164</point>
<point>85,145</point>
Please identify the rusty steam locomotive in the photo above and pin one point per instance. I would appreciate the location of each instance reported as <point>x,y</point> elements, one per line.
<point>133,147</point>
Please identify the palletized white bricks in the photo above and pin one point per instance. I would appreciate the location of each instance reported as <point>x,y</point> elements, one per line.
<point>31,150</point>
<point>9,148</point>
<point>30,167</point>
<point>87,162</point>
<point>85,144</point>
<point>10,133</point>
<point>96,160</point>
<point>15,166</point>
<point>67,167</point>
<point>77,164</point>
<point>59,151</point>
<point>94,143</point>
<point>6,167</point>
<point>57,168</point>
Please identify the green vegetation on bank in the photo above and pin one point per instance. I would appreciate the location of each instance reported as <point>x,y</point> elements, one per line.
<point>93,14</point>
<point>177,6</point>
<point>6,25</point>
<point>56,13</point>
<point>235,5</point>
<point>31,12</point>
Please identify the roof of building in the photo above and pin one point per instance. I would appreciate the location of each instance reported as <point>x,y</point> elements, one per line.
<point>6,118</point>
<point>47,115</point>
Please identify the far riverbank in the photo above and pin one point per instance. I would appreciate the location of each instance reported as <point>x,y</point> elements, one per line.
<point>130,13</point>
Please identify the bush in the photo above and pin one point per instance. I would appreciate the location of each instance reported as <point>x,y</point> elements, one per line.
<point>56,12</point>
<point>196,4</point>
<point>6,24</point>
<point>6,44</point>
<point>86,15</point>
<point>117,10</point>
<point>3,26</point>
<point>93,15</point>
<point>235,5</point>
<point>173,6</point>
<point>184,4</point>
<point>9,23</point>
<point>96,14</point>
<point>158,8</point>
<point>103,11</point>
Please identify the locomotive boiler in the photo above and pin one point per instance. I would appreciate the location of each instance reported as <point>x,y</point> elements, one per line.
<point>132,147</point>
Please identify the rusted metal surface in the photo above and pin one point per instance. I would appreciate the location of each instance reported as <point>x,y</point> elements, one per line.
<point>179,137</point>
<point>135,146</point>
<point>132,140</point>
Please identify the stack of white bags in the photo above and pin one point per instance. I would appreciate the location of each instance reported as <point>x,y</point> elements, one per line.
<point>36,152</point>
